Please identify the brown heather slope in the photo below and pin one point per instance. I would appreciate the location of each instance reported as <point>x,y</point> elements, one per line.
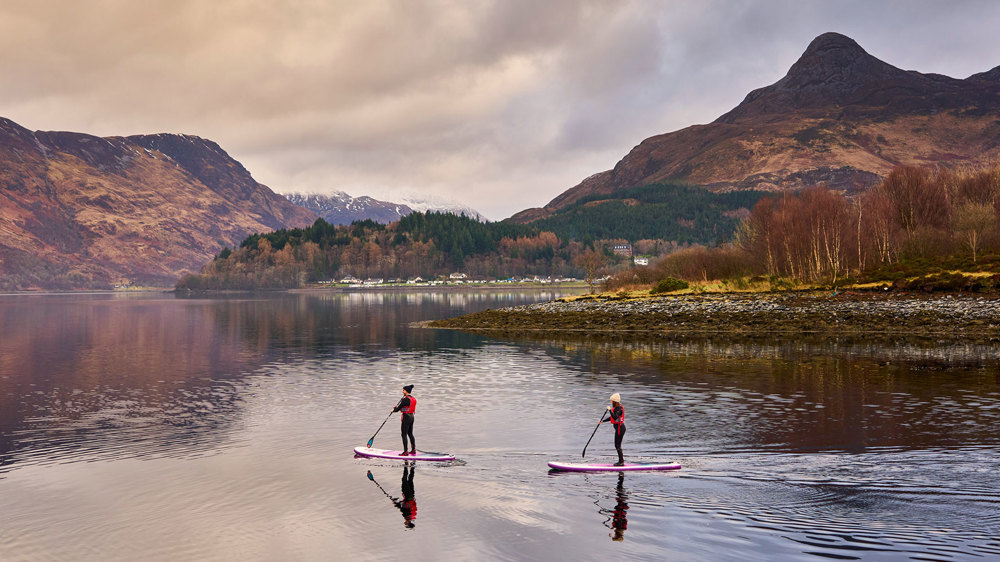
<point>83,211</point>
<point>840,117</point>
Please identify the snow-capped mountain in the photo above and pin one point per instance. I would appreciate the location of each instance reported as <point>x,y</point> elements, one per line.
<point>341,208</point>
<point>424,203</point>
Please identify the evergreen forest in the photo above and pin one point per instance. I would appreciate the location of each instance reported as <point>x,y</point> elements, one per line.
<point>655,220</point>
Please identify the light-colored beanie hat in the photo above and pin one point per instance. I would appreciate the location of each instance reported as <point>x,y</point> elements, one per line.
<point>616,397</point>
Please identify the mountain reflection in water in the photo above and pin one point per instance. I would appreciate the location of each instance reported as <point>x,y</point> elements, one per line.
<point>217,429</point>
<point>170,370</point>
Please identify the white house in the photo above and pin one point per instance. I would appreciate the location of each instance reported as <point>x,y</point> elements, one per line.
<point>640,261</point>
<point>622,250</point>
<point>457,276</point>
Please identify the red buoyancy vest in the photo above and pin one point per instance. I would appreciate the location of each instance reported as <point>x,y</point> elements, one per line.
<point>619,421</point>
<point>412,407</point>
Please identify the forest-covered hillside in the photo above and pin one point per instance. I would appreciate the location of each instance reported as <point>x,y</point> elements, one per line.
<point>653,220</point>
<point>421,244</point>
<point>683,214</point>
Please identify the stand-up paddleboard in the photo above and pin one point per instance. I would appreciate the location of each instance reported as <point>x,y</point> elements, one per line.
<point>387,454</point>
<point>609,467</point>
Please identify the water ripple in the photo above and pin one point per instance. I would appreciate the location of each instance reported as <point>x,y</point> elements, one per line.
<point>239,439</point>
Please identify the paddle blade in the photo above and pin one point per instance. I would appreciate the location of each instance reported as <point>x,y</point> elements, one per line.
<point>370,441</point>
<point>370,477</point>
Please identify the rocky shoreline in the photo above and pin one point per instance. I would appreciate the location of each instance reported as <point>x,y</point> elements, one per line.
<point>951,317</point>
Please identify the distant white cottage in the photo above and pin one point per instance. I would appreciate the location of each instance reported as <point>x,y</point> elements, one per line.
<point>640,261</point>
<point>622,250</point>
<point>457,276</point>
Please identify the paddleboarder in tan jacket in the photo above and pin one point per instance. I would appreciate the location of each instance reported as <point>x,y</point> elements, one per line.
<point>616,414</point>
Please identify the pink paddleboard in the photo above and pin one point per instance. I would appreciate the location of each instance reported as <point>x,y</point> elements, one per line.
<point>609,467</point>
<point>387,454</point>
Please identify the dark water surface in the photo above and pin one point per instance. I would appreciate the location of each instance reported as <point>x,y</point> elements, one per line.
<point>155,428</point>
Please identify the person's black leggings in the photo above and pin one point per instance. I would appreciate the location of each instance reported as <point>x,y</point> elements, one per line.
<point>406,429</point>
<point>619,434</point>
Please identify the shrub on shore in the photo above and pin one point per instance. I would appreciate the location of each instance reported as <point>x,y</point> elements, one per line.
<point>951,282</point>
<point>668,285</point>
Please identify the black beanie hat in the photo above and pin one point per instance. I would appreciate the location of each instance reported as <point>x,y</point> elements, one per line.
<point>408,388</point>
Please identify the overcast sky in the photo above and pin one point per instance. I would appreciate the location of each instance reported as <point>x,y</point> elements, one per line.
<point>500,105</point>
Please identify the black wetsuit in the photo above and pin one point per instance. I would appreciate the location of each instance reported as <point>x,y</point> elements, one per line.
<point>406,427</point>
<point>618,413</point>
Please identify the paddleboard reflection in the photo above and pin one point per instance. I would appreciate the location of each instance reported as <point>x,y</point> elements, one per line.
<point>407,504</point>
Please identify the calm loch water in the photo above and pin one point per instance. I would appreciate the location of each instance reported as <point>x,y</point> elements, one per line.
<point>158,428</point>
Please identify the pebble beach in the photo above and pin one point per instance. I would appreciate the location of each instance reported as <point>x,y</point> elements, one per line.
<point>950,316</point>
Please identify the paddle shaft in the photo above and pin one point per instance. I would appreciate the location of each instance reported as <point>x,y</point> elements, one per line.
<point>372,478</point>
<point>592,436</point>
<point>372,440</point>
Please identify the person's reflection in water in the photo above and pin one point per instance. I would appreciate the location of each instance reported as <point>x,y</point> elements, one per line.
<point>618,520</point>
<point>407,505</point>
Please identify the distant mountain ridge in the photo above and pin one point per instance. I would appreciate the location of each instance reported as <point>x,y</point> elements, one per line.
<point>341,208</point>
<point>78,210</point>
<point>840,117</point>
<point>427,203</point>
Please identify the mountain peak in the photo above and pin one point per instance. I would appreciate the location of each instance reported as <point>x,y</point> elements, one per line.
<point>834,71</point>
<point>840,117</point>
<point>835,65</point>
<point>833,41</point>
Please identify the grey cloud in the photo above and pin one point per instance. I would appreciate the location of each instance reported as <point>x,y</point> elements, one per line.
<point>500,104</point>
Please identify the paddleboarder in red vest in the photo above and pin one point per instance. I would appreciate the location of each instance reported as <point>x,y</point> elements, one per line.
<point>617,418</point>
<point>407,406</point>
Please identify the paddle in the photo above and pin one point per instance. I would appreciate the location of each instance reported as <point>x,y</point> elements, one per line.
<point>372,440</point>
<point>592,436</point>
<point>372,478</point>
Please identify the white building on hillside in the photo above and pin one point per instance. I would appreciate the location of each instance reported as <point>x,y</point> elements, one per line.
<point>622,250</point>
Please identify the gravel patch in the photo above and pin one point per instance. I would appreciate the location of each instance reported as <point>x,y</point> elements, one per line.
<point>844,313</point>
